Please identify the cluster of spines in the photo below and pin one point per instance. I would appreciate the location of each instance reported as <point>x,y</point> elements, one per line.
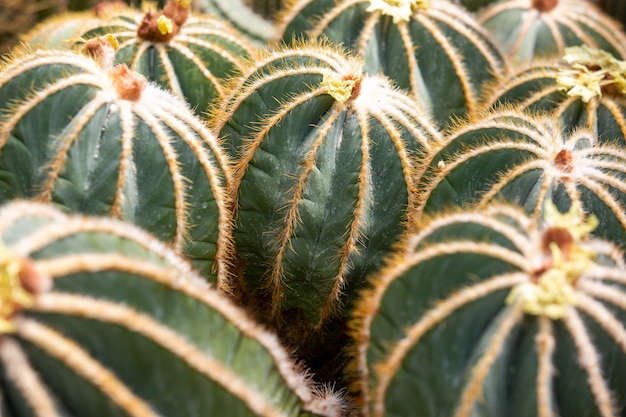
<point>526,159</point>
<point>404,40</point>
<point>585,88</point>
<point>347,134</point>
<point>514,300</point>
<point>118,119</point>
<point>109,294</point>
<point>191,56</point>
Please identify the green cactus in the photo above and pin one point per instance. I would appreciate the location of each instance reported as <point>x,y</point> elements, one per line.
<point>323,181</point>
<point>101,140</point>
<point>526,30</point>
<point>436,50</point>
<point>527,159</point>
<point>99,318</point>
<point>242,17</point>
<point>586,88</point>
<point>63,30</point>
<point>189,55</point>
<point>493,313</point>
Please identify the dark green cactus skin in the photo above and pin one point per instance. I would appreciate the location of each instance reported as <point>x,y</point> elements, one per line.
<point>322,187</point>
<point>526,159</point>
<point>441,55</point>
<point>258,29</point>
<point>525,33</point>
<point>535,89</point>
<point>193,64</point>
<point>68,138</point>
<point>436,336</point>
<point>160,340</point>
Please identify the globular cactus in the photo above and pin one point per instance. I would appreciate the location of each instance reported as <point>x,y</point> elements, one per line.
<point>493,313</point>
<point>324,176</point>
<point>99,318</point>
<point>531,29</point>
<point>62,31</point>
<point>527,159</point>
<point>585,88</point>
<point>259,29</point>
<point>188,55</point>
<point>99,139</point>
<point>434,49</point>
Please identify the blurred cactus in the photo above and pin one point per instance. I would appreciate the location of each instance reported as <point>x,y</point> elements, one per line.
<point>99,139</point>
<point>527,30</point>
<point>527,160</point>
<point>258,28</point>
<point>104,320</point>
<point>586,88</point>
<point>188,55</point>
<point>436,50</point>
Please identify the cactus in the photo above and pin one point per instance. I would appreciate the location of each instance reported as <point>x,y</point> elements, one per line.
<point>61,31</point>
<point>586,88</point>
<point>493,313</point>
<point>260,30</point>
<point>323,180</point>
<point>101,140</point>
<point>100,318</point>
<point>526,160</point>
<point>436,50</point>
<point>188,55</point>
<point>526,30</point>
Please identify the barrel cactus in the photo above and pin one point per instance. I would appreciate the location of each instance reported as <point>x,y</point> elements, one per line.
<point>99,139</point>
<point>585,88</point>
<point>434,49</point>
<point>528,159</point>
<point>100,318</point>
<point>62,31</point>
<point>259,29</point>
<point>324,176</point>
<point>188,55</point>
<point>530,29</point>
<point>493,313</point>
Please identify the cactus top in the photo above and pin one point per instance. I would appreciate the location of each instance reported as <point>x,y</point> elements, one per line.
<point>553,290</point>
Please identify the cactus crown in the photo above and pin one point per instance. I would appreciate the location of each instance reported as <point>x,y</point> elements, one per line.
<point>553,290</point>
<point>499,288</point>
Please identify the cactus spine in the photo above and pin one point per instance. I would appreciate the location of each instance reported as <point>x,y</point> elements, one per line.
<point>531,314</point>
<point>117,324</point>
<point>435,49</point>
<point>526,30</point>
<point>99,139</point>
<point>585,88</point>
<point>527,159</point>
<point>188,55</point>
<point>323,181</point>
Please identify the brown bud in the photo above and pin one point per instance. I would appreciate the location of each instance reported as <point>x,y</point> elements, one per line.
<point>148,29</point>
<point>176,11</point>
<point>564,160</point>
<point>101,51</point>
<point>32,279</point>
<point>128,84</point>
<point>545,5</point>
